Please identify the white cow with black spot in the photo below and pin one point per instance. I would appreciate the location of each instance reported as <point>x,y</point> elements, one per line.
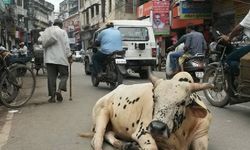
<point>162,115</point>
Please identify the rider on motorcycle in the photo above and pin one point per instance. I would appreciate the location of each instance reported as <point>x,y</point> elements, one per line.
<point>233,59</point>
<point>194,43</point>
<point>110,40</point>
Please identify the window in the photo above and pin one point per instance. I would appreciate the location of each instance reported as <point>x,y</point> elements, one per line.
<point>134,33</point>
<point>19,3</point>
<point>110,6</point>
<point>97,9</point>
<point>92,12</point>
<point>87,17</point>
<point>129,6</point>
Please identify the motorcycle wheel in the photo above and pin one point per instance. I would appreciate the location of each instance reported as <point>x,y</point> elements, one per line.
<point>119,81</point>
<point>95,80</point>
<point>87,67</point>
<point>217,96</point>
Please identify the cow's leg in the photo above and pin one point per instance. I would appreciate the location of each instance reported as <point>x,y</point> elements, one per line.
<point>200,143</point>
<point>111,139</point>
<point>118,144</point>
<point>101,122</point>
<point>145,140</point>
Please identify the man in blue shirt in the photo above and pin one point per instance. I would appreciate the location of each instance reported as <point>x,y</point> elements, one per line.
<point>195,43</point>
<point>110,40</point>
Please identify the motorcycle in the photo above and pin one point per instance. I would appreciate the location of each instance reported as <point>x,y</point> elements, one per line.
<point>229,89</point>
<point>113,70</point>
<point>195,65</point>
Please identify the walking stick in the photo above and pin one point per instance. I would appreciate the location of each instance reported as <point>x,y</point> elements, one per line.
<point>70,82</point>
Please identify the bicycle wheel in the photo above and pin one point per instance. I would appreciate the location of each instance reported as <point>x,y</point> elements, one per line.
<point>17,86</point>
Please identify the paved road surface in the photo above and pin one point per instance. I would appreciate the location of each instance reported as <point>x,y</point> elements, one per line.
<point>43,126</point>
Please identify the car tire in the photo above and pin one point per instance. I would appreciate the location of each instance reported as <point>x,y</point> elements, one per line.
<point>143,74</point>
<point>87,67</point>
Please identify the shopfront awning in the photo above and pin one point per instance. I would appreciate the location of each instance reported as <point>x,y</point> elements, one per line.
<point>182,23</point>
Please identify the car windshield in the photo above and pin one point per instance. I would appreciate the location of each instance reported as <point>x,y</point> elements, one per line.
<point>134,33</point>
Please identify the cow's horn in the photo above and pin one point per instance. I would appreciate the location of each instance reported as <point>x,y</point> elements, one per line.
<point>194,87</point>
<point>152,77</point>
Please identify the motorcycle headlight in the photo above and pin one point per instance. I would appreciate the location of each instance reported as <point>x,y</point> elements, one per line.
<point>194,64</point>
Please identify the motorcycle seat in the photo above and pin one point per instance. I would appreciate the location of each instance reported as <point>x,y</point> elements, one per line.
<point>195,57</point>
<point>118,52</point>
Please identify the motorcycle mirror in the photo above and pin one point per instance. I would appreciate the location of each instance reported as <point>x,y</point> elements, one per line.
<point>218,32</point>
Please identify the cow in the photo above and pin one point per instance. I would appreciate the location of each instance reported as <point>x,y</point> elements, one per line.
<point>161,115</point>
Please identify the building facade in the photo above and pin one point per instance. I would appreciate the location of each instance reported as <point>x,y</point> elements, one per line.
<point>69,13</point>
<point>95,13</point>
<point>22,19</point>
<point>68,8</point>
<point>40,15</point>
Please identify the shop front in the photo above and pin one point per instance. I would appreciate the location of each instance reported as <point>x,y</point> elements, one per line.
<point>196,12</point>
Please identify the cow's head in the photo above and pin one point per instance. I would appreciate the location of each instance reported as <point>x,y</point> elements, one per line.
<point>171,98</point>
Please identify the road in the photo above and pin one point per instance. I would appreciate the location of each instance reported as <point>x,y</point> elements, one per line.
<point>43,126</point>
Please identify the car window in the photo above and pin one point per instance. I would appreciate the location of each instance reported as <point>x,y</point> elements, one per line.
<point>134,33</point>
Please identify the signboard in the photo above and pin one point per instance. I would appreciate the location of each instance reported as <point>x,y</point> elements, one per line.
<point>7,2</point>
<point>160,17</point>
<point>195,10</point>
<point>144,10</point>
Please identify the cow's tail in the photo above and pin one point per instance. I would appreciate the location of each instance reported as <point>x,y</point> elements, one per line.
<point>86,135</point>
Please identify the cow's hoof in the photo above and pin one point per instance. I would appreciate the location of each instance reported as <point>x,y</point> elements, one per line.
<point>130,146</point>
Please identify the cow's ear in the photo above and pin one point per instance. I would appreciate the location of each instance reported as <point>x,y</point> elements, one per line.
<point>155,80</point>
<point>199,111</point>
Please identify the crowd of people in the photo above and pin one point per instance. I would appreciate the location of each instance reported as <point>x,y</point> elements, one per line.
<point>21,50</point>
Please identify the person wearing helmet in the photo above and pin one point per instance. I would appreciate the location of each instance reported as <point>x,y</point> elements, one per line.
<point>109,40</point>
<point>57,56</point>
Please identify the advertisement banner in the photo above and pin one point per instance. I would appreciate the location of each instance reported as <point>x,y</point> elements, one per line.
<point>195,10</point>
<point>161,17</point>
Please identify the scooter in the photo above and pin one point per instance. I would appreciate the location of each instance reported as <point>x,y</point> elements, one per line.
<point>113,70</point>
<point>229,88</point>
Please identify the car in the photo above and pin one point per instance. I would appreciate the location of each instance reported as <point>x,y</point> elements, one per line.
<point>139,43</point>
<point>77,57</point>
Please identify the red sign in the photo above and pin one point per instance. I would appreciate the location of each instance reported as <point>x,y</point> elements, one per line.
<point>144,10</point>
<point>161,16</point>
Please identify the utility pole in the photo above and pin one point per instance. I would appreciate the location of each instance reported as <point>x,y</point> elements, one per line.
<point>103,3</point>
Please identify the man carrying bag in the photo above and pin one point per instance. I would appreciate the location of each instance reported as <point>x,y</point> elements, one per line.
<point>57,57</point>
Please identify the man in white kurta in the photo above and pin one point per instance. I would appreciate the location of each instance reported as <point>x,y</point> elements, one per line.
<point>57,57</point>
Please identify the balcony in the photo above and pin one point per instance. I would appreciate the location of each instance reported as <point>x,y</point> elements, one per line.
<point>20,11</point>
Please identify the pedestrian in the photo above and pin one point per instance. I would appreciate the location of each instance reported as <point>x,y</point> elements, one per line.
<point>57,57</point>
<point>14,50</point>
<point>23,50</point>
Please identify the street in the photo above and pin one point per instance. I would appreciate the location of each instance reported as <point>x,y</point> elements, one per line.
<point>40,125</point>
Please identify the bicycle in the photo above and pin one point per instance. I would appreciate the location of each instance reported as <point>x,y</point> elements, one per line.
<point>17,82</point>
